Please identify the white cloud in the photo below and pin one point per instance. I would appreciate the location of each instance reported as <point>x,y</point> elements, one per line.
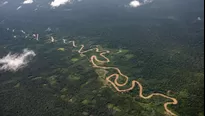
<point>19,8</point>
<point>28,2</point>
<point>134,3</point>
<point>23,31</point>
<point>199,18</point>
<point>57,3</point>
<point>14,62</point>
<point>4,3</point>
<point>147,1</point>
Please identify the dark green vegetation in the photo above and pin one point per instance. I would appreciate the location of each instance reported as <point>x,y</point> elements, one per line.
<point>160,44</point>
<point>64,83</point>
<point>55,83</point>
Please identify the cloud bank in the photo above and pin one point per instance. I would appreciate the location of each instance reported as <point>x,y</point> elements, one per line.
<point>14,62</point>
<point>28,2</point>
<point>57,3</point>
<point>136,3</point>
